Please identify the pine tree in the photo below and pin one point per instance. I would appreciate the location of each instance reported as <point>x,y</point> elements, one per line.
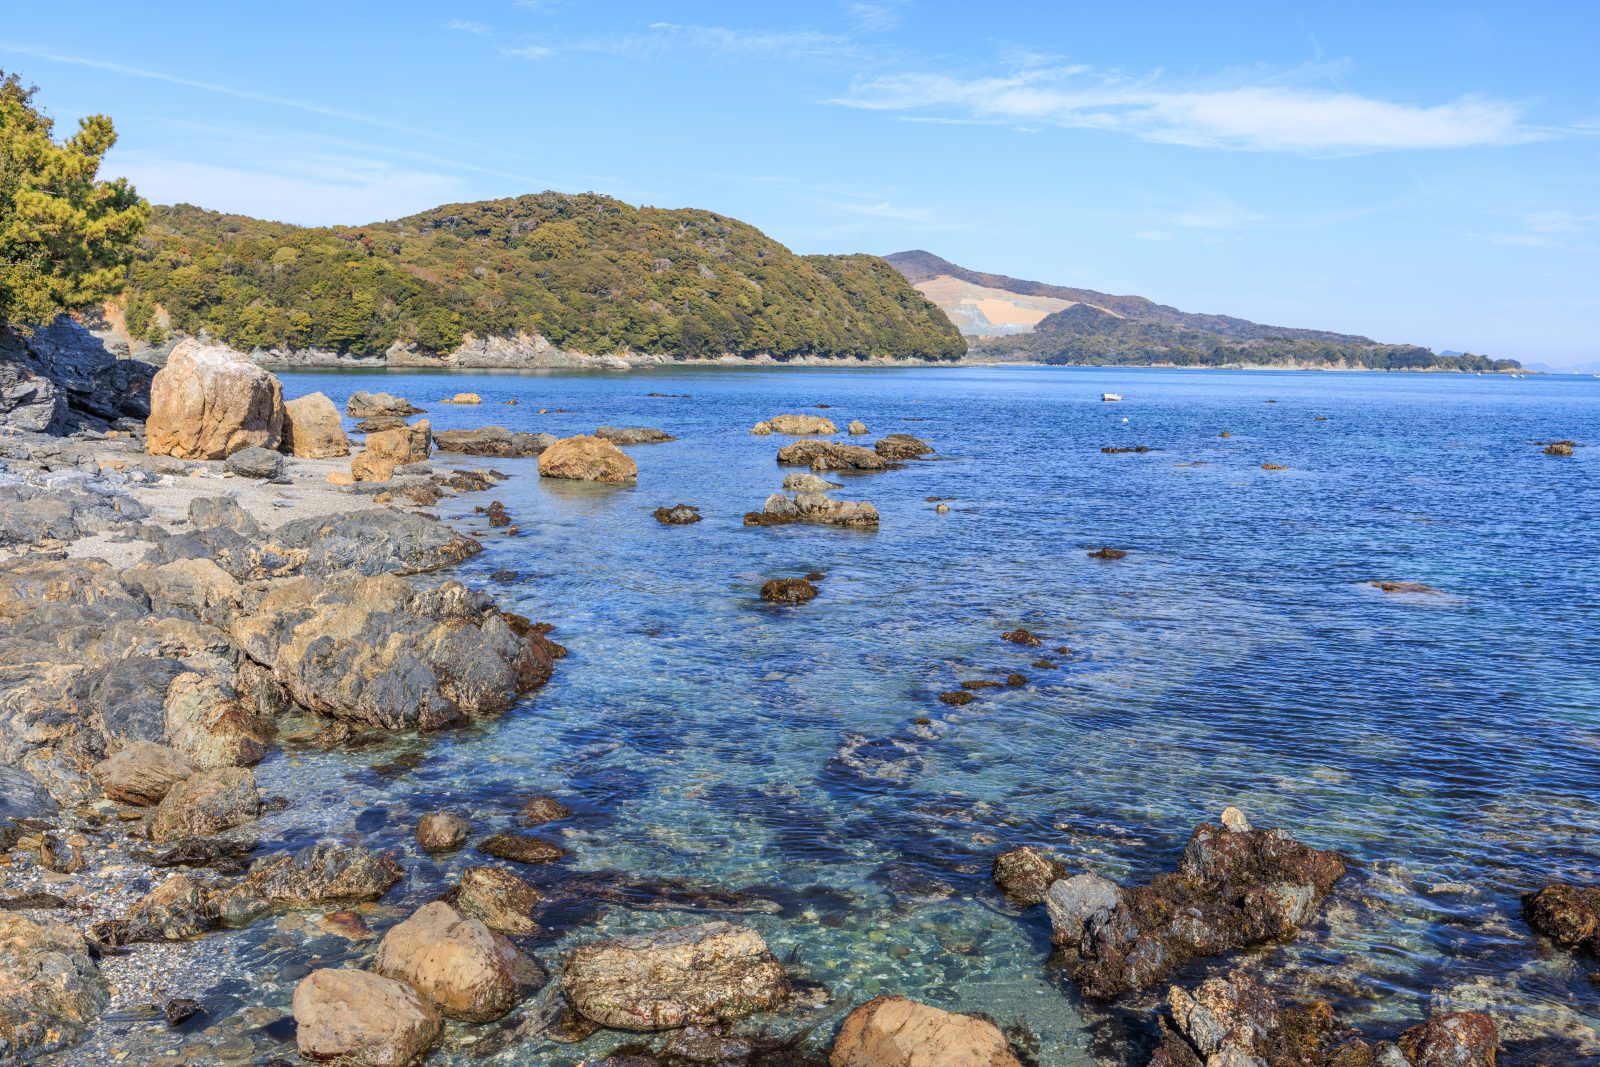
<point>66,237</point>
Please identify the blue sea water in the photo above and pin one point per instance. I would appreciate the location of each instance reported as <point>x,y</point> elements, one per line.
<point>1449,744</point>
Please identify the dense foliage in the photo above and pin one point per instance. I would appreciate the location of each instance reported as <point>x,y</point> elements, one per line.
<point>589,273</point>
<point>65,236</point>
<point>1085,335</point>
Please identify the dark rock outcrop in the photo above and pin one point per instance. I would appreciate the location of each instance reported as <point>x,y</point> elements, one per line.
<point>633,435</point>
<point>492,441</point>
<point>1567,914</point>
<point>832,456</point>
<point>60,379</point>
<point>902,446</point>
<point>788,591</point>
<point>678,515</point>
<point>1025,874</point>
<point>816,508</point>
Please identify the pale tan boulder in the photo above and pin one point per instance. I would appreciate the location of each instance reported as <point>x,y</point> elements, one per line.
<point>142,772</point>
<point>312,430</point>
<point>669,978</point>
<point>857,428</point>
<point>467,970</point>
<point>589,459</point>
<point>206,723</point>
<point>402,444</point>
<point>899,1032</point>
<point>464,398</point>
<point>369,467</point>
<point>209,402</point>
<point>354,1018</point>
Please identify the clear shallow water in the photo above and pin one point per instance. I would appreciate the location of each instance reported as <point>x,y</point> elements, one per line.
<point>1449,745</point>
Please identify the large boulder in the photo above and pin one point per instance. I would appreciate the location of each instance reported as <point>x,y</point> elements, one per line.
<point>467,970</point>
<point>206,722</point>
<point>795,425</point>
<point>402,444</point>
<point>207,802</point>
<point>353,1018</point>
<point>380,652</point>
<point>670,978</point>
<point>209,402</point>
<point>322,873</point>
<point>142,772</point>
<point>899,1032</point>
<point>312,430</point>
<point>587,459</point>
<point>492,441</point>
<point>50,988</point>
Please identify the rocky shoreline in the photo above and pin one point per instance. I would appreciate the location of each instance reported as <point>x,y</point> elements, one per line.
<point>203,579</point>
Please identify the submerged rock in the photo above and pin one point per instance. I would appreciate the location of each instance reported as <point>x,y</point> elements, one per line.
<point>1113,450</point>
<point>1109,553</point>
<point>788,591</point>
<point>902,446</point>
<point>467,970</point>
<point>50,988</point>
<point>678,515</point>
<point>633,435</point>
<point>588,459</point>
<point>521,848</point>
<point>210,402</point>
<point>1560,448</point>
<point>671,978</point>
<point>795,425</point>
<point>813,508</point>
<point>1019,636</point>
<point>1404,587</point>
<point>541,810</point>
<point>442,832</point>
<point>1567,914</point>
<point>899,1032</point>
<point>832,456</point>
<point>354,1018</point>
<point>1024,874</point>
<point>312,430</point>
<point>492,441</point>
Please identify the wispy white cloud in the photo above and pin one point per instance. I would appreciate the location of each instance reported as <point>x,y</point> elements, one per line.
<point>528,51</point>
<point>466,26</point>
<point>1250,113</point>
<point>875,16</point>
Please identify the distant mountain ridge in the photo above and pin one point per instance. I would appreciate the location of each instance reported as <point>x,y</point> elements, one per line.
<point>1009,318</point>
<point>919,267</point>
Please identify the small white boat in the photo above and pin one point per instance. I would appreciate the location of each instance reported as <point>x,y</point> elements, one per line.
<point>1110,396</point>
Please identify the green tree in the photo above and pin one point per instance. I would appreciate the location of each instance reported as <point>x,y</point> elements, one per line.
<point>66,237</point>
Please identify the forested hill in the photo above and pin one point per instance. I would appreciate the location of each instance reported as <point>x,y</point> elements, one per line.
<point>588,273</point>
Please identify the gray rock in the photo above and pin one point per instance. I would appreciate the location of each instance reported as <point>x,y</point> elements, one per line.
<point>50,989</point>
<point>60,379</point>
<point>22,800</point>
<point>1073,903</point>
<point>263,463</point>
<point>633,435</point>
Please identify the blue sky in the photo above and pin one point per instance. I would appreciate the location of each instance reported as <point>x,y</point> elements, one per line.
<point>1425,173</point>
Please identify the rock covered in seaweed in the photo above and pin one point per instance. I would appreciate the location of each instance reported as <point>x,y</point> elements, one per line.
<point>788,591</point>
<point>832,456</point>
<point>1567,914</point>
<point>813,508</point>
